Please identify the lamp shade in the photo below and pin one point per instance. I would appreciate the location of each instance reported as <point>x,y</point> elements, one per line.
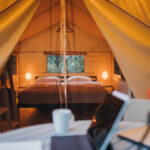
<point>28,76</point>
<point>105,75</point>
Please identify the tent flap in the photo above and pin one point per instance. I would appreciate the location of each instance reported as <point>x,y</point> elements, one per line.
<point>129,41</point>
<point>4,4</point>
<point>139,9</point>
<point>13,22</point>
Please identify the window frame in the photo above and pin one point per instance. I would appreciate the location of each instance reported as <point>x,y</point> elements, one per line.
<point>67,72</point>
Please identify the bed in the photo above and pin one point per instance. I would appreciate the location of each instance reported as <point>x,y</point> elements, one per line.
<point>45,90</point>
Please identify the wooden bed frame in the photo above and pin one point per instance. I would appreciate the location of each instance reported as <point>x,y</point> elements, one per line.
<point>27,98</point>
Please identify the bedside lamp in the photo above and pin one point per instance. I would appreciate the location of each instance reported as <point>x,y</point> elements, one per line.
<point>28,76</point>
<point>105,75</point>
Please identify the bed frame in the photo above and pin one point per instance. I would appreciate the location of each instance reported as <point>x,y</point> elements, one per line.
<point>85,100</point>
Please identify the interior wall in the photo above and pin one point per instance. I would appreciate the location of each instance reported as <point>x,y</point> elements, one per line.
<point>78,40</point>
<point>96,63</point>
<point>99,57</point>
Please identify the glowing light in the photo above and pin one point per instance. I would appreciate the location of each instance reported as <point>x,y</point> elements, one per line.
<point>117,77</point>
<point>105,75</point>
<point>93,119</point>
<point>28,76</point>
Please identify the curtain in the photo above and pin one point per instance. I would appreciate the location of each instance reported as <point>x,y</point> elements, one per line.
<point>129,40</point>
<point>4,4</point>
<point>13,22</point>
<point>140,9</point>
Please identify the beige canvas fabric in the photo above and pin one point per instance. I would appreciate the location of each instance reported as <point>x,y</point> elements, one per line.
<point>129,40</point>
<point>140,9</point>
<point>13,22</point>
<point>4,4</point>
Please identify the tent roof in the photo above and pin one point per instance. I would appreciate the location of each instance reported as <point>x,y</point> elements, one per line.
<point>48,14</point>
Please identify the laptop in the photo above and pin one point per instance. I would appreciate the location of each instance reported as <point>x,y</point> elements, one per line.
<point>104,125</point>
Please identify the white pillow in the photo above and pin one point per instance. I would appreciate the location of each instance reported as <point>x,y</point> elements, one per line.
<point>47,79</point>
<point>79,79</point>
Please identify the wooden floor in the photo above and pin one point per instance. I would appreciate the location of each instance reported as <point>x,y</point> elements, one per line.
<point>33,116</point>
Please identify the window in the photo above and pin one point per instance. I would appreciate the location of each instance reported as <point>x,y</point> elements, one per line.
<point>75,63</point>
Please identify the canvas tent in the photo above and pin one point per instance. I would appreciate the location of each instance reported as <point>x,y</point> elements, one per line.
<point>124,24</point>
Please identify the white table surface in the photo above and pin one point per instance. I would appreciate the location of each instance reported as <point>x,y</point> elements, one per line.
<point>44,132</point>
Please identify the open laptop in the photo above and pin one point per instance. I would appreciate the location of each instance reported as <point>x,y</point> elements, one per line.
<point>104,125</point>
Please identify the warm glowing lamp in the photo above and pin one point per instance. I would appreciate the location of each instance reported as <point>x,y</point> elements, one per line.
<point>105,75</point>
<point>28,76</point>
<point>117,77</point>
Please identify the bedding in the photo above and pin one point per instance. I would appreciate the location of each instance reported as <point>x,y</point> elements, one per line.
<point>79,89</point>
<point>85,92</point>
<point>39,94</point>
<point>79,79</point>
<point>47,80</point>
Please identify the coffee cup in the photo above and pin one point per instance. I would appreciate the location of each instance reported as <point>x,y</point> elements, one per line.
<point>61,119</point>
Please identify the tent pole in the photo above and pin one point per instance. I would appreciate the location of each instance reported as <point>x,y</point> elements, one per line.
<point>63,43</point>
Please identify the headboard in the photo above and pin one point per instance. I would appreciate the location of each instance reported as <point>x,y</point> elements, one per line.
<point>94,78</point>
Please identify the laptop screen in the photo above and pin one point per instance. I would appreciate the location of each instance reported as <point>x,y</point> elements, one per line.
<point>103,119</point>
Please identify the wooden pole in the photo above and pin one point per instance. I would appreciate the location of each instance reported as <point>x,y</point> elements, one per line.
<point>63,43</point>
<point>3,79</point>
<point>15,115</point>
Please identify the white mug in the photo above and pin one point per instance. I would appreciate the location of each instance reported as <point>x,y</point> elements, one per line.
<point>61,119</point>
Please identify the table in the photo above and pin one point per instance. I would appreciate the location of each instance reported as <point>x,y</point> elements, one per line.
<point>44,132</point>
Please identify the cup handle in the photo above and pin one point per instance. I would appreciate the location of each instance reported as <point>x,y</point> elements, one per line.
<point>72,118</point>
